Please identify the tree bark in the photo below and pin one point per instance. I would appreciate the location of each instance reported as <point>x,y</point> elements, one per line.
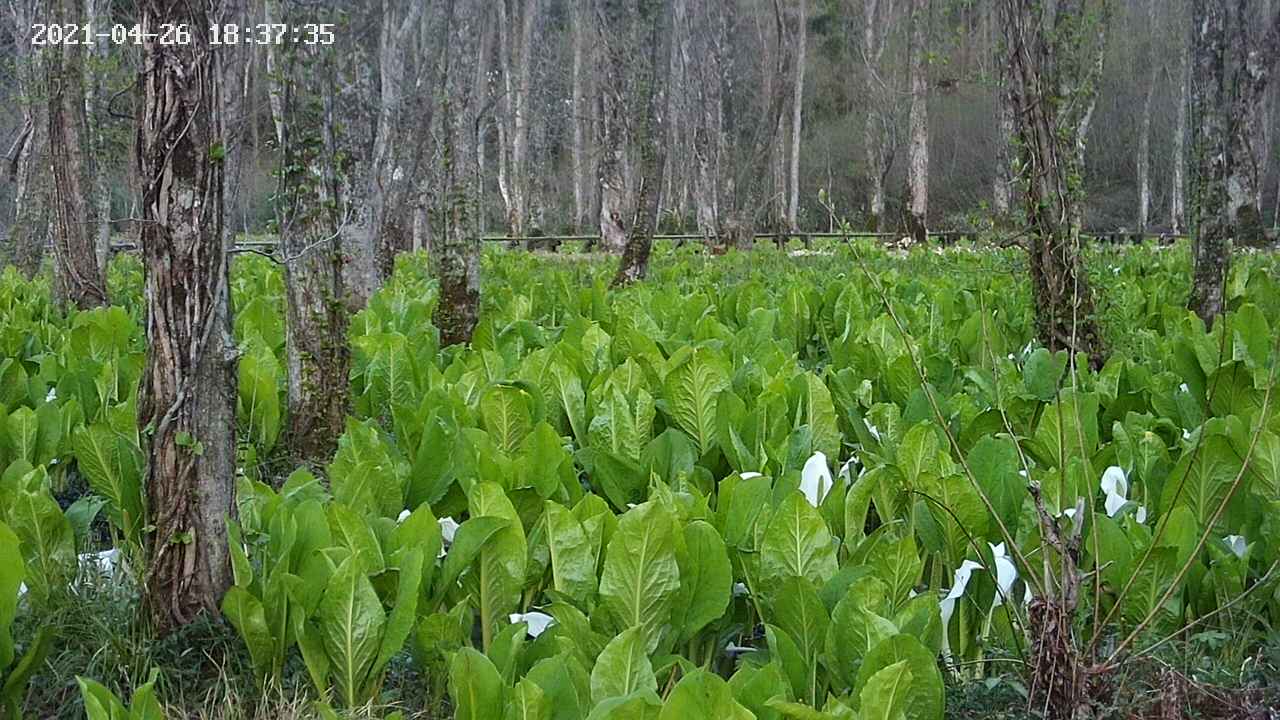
<point>1056,53</point>
<point>1177,203</point>
<point>96,107</point>
<point>1144,127</point>
<point>317,357</point>
<point>515,61</point>
<point>918,166</point>
<point>1231,69</point>
<point>28,162</point>
<point>652,140</point>
<point>581,115</point>
<point>187,391</point>
<point>705,54</point>
<point>457,264</point>
<point>797,119</point>
<point>79,277</point>
<point>878,132</point>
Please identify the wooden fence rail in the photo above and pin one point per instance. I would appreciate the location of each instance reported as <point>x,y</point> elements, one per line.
<point>945,236</point>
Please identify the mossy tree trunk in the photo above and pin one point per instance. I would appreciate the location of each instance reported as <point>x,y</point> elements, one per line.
<point>1055,61</point>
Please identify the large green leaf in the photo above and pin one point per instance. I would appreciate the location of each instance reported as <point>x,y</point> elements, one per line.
<point>641,575</point>
<point>527,702</point>
<point>706,579</point>
<point>796,544</point>
<point>475,686</point>
<point>573,555</point>
<point>497,579</point>
<point>351,623</point>
<point>885,694</point>
<point>925,696</point>
<point>46,541</point>
<point>106,460</point>
<point>623,667</point>
<point>693,382</point>
<point>507,411</point>
<point>702,694</point>
<point>12,572</point>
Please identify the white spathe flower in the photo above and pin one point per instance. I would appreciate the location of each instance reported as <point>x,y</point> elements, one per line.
<point>52,395</point>
<point>1186,434</point>
<point>1141,515</point>
<point>815,479</point>
<point>22,589</point>
<point>537,622</point>
<point>1237,545</point>
<point>749,474</point>
<point>404,515</point>
<point>448,528</point>
<point>731,649</point>
<point>959,581</point>
<point>1116,488</point>
<point>844,469</point>
<point>1006,573</point>
<point>1183,387</point>
<point>740,590</point>
<point>875,432</point>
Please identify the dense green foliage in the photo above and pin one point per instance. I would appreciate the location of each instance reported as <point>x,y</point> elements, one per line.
<point>724,492</point>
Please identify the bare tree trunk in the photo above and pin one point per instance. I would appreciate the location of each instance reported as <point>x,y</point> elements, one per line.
<point>1144,128</point>
<point>1002,193</point>
<point>187,391</point>
<point>99,11</point>
<point>515,61</point>
<point>797,110</point>
<point>918,167</point>
<point>458,261</point>
<point>79,277</point>
<point>1178,204</point>
<point>581,114</point>
<point>652,139</point>
<point>28,164</point>
<point>705,53</point>
<point>878,131</point>
<point>1064,53</point>
<point>613,130</point>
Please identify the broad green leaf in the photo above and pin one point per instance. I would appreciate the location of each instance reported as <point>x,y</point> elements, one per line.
<point>796,544</point>
<point>706,579</point>
<point>351,623</point>
<point>693,382</point>
<point>508,415</point>
<point>573,556</point>
<point>885,694</point>
<point>924,697</point>
<point>702,694</point>
<point>641,576</point>
<point>623,667</point>
<point>526,701</point>
<point>475,686</point>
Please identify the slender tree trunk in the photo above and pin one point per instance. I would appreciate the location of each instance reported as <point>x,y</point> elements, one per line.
<point>704,53</point>
<point>79,277</point>
<point>515,61</point>
<point>187,391</point>
<point>612,124</point>
<point>317,359</point>
<point>1002,189</point>
<point>1178,203</point>
<point>28,168</point>
<point>797,119</point>
<point>918,167</point>
<point>653,141</point>
<point>1210,245</point>
<point>1052,127</point>
<point>96,112</point>
<point>877,131</point>
<point>458,261</point>
<point>1144,128</point>
<point>581,114</point>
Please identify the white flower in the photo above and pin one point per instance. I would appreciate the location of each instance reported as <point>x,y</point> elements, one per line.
<point>749,474</point>
<point>1183,387</point>
<point>959,581</point>
<point>1141,515</point>
<point>1006,573</point>
<point>1023,472</point>
<point>1186,434</point>
<point>537,622</point>
<point>448,528</point>
<point>1116,488</point>
<point>740,590</point>
<point>53,395</point>
<point>22,589</point>
<point>875,432</point>
<point>1237,545</point>
<point>404,514</point>
<point>1027,350</point>
<point>815,479</point>
<point>1011,356</point>
<point>731,649</point>
<point>844,469</point>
